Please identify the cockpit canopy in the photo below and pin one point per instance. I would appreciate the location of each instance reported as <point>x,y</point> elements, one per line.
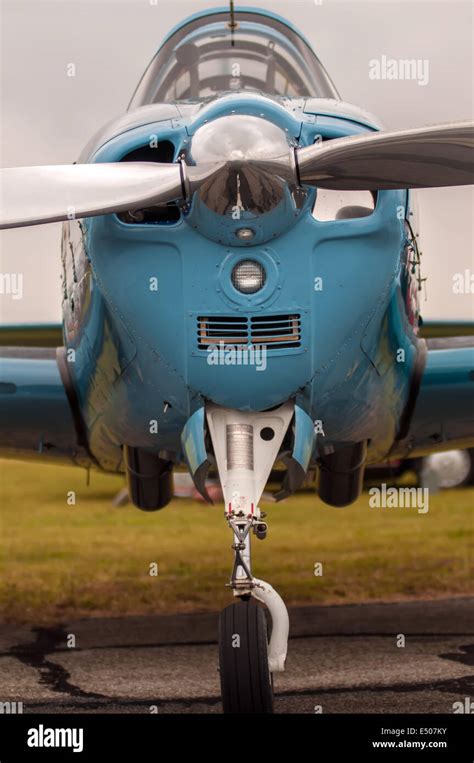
<point>209,55</point>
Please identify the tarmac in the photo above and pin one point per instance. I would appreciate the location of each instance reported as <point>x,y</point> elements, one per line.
<point>404,657</point>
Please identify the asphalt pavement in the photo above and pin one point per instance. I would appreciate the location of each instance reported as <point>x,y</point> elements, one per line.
<point>347,659</point>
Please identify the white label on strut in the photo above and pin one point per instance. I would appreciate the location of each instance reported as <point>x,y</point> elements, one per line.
<point>239,440</point>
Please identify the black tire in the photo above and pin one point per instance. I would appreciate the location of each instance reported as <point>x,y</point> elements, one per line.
<point>471,454</point>
<point>246,681</point>
<point>149,479</point>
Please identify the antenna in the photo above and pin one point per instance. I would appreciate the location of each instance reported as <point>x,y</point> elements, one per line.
<point>232,22</point>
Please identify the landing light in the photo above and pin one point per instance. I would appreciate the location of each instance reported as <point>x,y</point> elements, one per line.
<point>248,276</point>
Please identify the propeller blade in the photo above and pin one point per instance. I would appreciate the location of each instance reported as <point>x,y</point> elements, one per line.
<point>35,195</point>
<point>424,157</point>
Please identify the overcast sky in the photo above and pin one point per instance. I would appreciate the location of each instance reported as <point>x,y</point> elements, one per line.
<point>47,117</point>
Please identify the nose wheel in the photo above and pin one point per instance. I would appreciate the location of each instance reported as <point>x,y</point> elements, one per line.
<point>244,459</point>
<point>246,681</point>
<point>246,678</point>
<point>247,659</point>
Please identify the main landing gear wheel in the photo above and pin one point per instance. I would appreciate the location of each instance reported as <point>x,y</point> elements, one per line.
<point>246,682</point>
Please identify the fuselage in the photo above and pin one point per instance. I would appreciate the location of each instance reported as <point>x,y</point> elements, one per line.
<point>156,327</point>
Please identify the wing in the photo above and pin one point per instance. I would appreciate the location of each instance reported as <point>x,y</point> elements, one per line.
<point>38,411</point>
<point>31,335</point>
<point>439,328</point>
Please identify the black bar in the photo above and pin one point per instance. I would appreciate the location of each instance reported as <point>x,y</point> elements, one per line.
<point>317,737</point>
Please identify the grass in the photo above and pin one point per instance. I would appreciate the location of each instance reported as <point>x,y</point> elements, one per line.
<point>61,561</point>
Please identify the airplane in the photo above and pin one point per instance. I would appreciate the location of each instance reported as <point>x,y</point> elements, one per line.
<point>240,280</point>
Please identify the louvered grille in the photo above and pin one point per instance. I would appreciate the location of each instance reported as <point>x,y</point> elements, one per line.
<point>274,331</point>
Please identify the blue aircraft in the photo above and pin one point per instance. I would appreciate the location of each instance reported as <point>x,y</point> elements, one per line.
<point>240,276</point>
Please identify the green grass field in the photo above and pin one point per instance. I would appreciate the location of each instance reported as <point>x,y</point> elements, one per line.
<point>61,561</point>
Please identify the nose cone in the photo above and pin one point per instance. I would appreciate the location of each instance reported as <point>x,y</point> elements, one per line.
<point>238,138</point>
<point>249,179</point>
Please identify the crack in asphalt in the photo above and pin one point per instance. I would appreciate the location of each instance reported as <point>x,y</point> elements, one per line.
<point>465,659</point>
<point>52,675</point>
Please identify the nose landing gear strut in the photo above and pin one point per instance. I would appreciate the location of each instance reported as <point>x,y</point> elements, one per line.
<point>246,446</point>
<point>247,660</point>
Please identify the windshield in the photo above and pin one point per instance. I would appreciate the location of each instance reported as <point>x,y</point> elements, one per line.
<point>208,55</point>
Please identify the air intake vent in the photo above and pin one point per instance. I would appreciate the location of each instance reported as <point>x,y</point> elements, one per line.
<point>233,330</point>
<point>160,214</point>
<point>276,332</point>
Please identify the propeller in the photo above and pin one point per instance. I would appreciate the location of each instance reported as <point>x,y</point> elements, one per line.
<point>35,195</point>
<point>423,157</point>
<point>419,158</point>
